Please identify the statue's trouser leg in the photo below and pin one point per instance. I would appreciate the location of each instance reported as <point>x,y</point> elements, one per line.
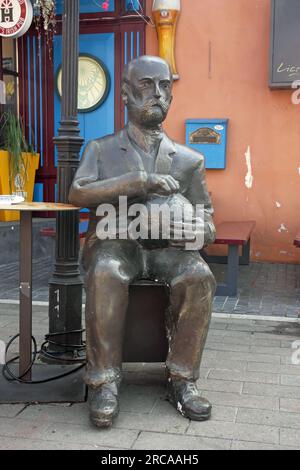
<point>192,289</point>
<point>105,314</point>
<point>107,283</point>
<point>189,316</point>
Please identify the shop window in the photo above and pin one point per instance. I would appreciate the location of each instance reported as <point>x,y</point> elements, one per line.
<point>9,75</point>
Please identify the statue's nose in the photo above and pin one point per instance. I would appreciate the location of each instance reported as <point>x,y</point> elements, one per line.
<point>157,93</point>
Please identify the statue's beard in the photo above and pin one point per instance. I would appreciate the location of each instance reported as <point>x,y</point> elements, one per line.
<point>150,114</point>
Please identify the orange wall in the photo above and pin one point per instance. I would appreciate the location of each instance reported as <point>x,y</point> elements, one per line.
<point>265,121</point>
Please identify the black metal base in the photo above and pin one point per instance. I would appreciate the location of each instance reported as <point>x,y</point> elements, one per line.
<point>65,312</point>
<point>70,389</point>
<point>145,333</point>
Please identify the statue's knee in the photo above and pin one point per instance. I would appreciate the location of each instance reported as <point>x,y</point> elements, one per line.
<point>200,277</point>
<point>108,274</point>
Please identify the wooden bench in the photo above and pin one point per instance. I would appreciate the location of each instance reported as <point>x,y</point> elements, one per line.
<point>234,235</point>
<point>297,240</point>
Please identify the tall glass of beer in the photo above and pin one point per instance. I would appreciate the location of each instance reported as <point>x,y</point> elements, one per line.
<point>165,15</point>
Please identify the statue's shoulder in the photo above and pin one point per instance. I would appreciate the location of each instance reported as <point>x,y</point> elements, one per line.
<point>191,156</point>
<point>106,141</point>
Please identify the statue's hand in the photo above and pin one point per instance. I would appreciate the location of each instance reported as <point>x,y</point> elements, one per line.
<point>162,184</point>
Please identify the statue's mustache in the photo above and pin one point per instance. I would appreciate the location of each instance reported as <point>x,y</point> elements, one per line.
<point>162,103</point>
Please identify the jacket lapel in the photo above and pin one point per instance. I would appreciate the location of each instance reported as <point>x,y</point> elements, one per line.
<point>133,159</point>
<point>163,160</point>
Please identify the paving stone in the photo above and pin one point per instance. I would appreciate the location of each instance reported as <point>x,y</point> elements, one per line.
<point>290,380</point>
<point>282,391</point>
<point>271,350</point>
<point>281,334</point>
<point>290,437</point>
<point>248,357</point>
<point>219,385</point>
<point>23,429</point>
<point>220,364</point>
<point>290,404</point>
<point>139,399</point>
<point>269,418</point>
<point>244,340</point>
<point>242,400</point>
<point>4,322</point>
<point>160,441</point>
<point>89,434</point>
<point>241,431</point>
<point>288,343</point>
<point>7,443</point>
<point>208,354</point>
<point>170,423</point>
<point>273,368</point>
<point>287,360</point>
<point>257,377</point>
<point>57,413</point>
<point>218,346</point>
<point>218,325</point>
<point>10,411</point>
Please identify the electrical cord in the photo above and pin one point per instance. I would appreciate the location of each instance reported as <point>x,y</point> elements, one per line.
<point>11,377</point>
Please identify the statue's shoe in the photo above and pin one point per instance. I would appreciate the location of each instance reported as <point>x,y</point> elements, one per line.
<point>185,397</point>
<point>103,405</point>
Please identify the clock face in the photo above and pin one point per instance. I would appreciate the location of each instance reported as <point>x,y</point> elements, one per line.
<point>93,83</point>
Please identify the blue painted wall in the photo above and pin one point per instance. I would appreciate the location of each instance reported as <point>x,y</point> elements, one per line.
<point>99,122</point>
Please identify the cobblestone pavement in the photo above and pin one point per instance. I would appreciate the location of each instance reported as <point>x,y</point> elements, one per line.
<point>246,373</point>
<point>264,288</point>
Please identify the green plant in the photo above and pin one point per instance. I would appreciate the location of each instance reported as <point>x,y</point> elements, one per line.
<point>13,140</point>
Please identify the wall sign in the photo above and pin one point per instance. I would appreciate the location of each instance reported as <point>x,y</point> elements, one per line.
<point>209,137</point>
<point>284,44</point>
<point>15,17</point>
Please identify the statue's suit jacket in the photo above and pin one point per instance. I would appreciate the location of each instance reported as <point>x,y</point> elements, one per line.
<point>112,167</point>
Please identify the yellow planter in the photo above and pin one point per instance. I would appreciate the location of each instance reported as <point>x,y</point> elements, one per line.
<point>32,164</point>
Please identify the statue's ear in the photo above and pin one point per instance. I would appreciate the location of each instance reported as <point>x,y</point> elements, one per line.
<point>124,92</point>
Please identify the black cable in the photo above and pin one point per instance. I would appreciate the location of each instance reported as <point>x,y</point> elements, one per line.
<point>11,377</point>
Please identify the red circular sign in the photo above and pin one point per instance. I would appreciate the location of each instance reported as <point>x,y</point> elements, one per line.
<point>15,17</point>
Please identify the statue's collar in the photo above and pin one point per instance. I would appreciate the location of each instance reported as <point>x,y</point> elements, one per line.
<point>166,146</point>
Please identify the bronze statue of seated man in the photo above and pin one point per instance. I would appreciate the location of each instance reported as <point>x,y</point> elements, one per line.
<point>142,163</point>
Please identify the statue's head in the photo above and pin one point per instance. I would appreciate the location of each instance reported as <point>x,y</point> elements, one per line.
<point>147,90</point>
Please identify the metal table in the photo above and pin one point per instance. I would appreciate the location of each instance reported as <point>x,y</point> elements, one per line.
<point>26,209</point>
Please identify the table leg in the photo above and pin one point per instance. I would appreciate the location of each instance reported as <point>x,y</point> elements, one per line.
<point>25,294</point>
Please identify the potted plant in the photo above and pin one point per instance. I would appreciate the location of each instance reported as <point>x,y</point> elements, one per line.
<point>18,162</point>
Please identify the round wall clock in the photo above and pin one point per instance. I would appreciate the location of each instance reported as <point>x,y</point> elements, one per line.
<point>93,83</point>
